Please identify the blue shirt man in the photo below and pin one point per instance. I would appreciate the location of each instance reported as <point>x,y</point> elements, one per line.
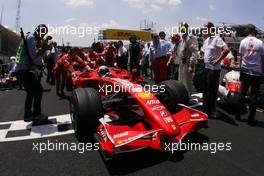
<point>24,60</point>
<point>160,49</point>
<point>159,54</point>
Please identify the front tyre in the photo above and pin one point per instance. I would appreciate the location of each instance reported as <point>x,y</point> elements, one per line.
<point>173,93</point>
<point>86,109</point>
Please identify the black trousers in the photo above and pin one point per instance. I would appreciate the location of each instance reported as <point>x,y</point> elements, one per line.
<point>134,65</point>
<point>253,82</point>
<point>34,89</point>
<point>210,90</point>
<point>174,71</point>
<point>50,75</point>
<point>122,62</point>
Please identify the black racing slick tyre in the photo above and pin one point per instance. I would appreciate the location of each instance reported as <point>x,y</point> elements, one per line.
<point>86,110</point>
<point>171,93</point>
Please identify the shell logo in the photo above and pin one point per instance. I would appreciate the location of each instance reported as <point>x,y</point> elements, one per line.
<point>119,142</point>
<point>173,127</point>
<point>145,95</point>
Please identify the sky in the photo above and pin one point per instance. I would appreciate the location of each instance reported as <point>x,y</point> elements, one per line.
<point>94,15</point>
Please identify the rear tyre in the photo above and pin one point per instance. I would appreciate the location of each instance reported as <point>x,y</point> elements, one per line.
<point>86,109</point>
<point>173,92</point>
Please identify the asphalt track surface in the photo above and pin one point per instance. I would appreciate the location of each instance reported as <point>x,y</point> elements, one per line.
<point>245,158</point>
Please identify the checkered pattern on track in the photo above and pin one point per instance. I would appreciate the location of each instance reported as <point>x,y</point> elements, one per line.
<point>20,130</point>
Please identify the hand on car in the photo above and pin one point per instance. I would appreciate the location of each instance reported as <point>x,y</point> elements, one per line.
<point>73,75</point>
<point>87,69</point>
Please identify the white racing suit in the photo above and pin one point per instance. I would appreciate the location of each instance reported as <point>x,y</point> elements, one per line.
<point>188,54</point>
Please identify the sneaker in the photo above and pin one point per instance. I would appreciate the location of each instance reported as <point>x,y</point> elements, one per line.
<point>28,119</point>
<point>41,122</point>
<point>40,117</point>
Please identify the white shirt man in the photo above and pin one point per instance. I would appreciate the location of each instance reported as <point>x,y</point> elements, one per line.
<point>252,50</point>
<point>215,50</point>
<point>252,67</point>
<point>121,51</point>
<point>145,55</point>
<point>212,49</point>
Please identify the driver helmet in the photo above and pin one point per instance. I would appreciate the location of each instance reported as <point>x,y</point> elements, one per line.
<point>226,62</point>
<point>103,70</point>
<point>13,59</point>
<point>176,37</point>
<point>75,65</point>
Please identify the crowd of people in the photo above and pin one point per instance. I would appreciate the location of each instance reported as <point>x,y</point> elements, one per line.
<point>163,58</point>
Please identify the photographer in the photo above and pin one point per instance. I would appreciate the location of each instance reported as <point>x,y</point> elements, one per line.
<point>29,69</point>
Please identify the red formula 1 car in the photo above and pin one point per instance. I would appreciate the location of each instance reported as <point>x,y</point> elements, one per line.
<point>113,107</point>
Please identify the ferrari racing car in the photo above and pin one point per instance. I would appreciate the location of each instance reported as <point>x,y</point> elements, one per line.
<point>122,114</point>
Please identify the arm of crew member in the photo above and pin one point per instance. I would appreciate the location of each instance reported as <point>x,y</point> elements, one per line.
<point>41,52</point>
<point>42,49</point>
<point>241,51</point>
<point>240,60</point>
<point>224,53</point>
<point>151,58</point>
<point>140,55</point>
<point>172,58</point>
<point>194,49</point>
<point>129,58</point>
<point>262,59</point>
